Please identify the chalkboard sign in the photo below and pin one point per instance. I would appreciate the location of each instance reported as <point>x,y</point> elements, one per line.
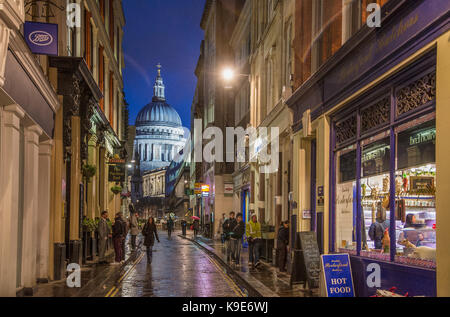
<point>311,257</point>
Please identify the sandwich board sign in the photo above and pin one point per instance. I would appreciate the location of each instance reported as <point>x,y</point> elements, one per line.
<point>336,278</point>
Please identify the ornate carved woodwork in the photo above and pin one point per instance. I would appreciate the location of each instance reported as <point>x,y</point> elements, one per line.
<point>416,94</point>
<point>346,129</point>
<point>376,115</point>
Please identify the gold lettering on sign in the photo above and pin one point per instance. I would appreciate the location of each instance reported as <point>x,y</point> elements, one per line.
<point>396,33</point>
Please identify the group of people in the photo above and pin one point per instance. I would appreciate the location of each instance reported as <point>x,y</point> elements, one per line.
<point>233,229</point>
<point>120,230</point>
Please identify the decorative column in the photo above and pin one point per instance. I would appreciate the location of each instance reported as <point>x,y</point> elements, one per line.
<point>30,207</point>
<point>442,168</point>
<point>58,247</point>
<point>9,200</point>
<point>43,228</point>
<point>4,41</point>
<point>75,181</point>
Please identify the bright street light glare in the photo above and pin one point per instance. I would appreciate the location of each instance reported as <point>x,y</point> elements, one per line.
<point>228,74</point>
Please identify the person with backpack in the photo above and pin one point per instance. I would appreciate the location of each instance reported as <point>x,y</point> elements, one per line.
<point>118,237</point>
<point>377,229</point>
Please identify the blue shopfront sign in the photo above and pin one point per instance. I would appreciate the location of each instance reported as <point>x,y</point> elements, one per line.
<point>42,38</point>
<point>337,275</point>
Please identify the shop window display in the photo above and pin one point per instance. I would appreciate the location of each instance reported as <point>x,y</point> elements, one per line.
<point>415,192</point>
<point>375,168</point>
<point>415,186</point>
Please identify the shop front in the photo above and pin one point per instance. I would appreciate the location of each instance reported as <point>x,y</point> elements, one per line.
<point>384,182</point>
<point>369,152</point>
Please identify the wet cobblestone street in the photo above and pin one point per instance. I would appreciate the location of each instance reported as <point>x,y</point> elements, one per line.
<point>179,269</point>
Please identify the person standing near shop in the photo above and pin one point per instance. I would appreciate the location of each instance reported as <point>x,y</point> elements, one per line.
<point>196,227</point>
<point>236,239</point>
<point>377,229</point>
<point>118,235</point>
<point>254,236</point>
<point>150,233</point>
<point>220,230</point>
<point>282,245</point>
<point>228,227</point>
<point>126,229</point>
<point>134,229</point>
<point>104,232</point>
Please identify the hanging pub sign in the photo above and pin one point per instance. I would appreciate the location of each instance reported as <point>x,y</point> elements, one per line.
<point>41,38</point>
<point>116,173</point>
<point>336,278</point>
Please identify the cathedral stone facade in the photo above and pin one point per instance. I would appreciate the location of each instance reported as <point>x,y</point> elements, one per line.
<point>159,132</point>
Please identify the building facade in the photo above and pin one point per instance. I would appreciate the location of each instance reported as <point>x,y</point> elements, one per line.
<point>271,69</point>
<point>370,121</point>
<point>73,103</point>
<point>218,22</point>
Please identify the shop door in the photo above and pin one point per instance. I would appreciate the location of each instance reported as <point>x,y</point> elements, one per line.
<point>316,216</point>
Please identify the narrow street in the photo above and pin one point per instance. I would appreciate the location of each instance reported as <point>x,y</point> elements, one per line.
<point>179,269</point>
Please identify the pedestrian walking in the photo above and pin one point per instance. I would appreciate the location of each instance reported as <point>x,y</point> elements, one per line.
<point>170,225</point>
<point>134,229</point>
<point>236,239</point>
<point>282,245</point>
<point>228,227</point>
<point>196,227</point>
<point>220,230</point>
<point>254,238</point>
<point>183,227</point>
<point>150,233</point>
<point>118,236</point>
<point>104,232</point>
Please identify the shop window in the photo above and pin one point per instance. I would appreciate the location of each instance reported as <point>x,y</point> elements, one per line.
<point>346,198</point>
<point>375,189</point>
<point>415,190</point>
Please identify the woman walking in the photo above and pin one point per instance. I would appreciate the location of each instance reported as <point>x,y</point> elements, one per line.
<point>150,233</point>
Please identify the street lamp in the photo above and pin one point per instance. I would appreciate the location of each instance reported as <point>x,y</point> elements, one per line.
<point>228,74</point>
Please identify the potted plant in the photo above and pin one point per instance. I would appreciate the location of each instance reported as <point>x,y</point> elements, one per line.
<point>89,171</point>
<point>89,225</point>
<point>116,190</point>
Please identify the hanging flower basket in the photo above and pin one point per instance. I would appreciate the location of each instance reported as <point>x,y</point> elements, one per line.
<point>89,171</point>
<point>116,190</point>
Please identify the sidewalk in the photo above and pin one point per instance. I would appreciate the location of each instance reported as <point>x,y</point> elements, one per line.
<point>95,278</point>
<point>266,279</point>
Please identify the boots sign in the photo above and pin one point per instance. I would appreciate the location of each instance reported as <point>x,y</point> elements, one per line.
<point>42,38</point>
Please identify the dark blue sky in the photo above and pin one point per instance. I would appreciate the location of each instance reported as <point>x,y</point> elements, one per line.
<point>166,32</point>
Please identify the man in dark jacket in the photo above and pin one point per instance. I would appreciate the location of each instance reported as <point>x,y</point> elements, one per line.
<point>118,236</point>
<point>282,244</point>
<point>236,238</point>
<point>228,227</point>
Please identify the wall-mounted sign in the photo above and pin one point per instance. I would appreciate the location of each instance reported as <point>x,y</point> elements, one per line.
<point>206,188</point>
<point>320,196</point>
<point>228,189</point>
<point>306,214</point>
<point>336,277</point>
<point>198,188</point>
<point>116,173</point>
<point>42,38</point>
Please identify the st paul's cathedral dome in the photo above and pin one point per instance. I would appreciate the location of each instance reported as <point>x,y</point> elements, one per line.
<point>159,131</point>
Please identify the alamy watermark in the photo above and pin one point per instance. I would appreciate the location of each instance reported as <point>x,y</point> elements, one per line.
<point>74,278</point>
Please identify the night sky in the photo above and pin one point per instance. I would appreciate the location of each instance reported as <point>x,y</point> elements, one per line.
<point>166,32</point>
